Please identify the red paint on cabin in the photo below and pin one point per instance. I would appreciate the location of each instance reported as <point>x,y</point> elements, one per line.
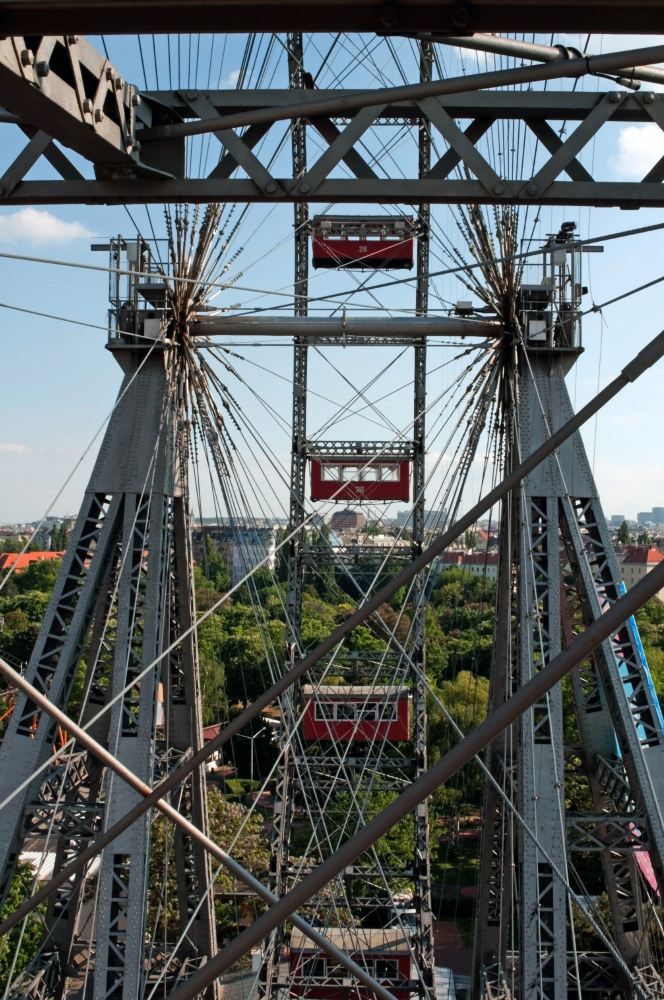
<point>355,479</point>
<point>316,976</point>
<point>347,713</point>
<point>361,253</point>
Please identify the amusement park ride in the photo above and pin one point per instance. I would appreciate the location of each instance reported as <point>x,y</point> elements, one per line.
<point>353,720</point>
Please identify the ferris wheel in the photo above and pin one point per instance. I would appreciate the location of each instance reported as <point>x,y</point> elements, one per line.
<point>268,467</point>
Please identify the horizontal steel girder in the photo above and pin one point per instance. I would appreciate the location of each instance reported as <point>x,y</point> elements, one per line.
<point>306,326</point>
<point>449,16</point>
<point>459,122</point>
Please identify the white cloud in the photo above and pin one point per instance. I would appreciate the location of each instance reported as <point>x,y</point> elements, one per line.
<point>37,226</point>
<point>14,449</point>
<point>639,149</point>
<point>230,80</point>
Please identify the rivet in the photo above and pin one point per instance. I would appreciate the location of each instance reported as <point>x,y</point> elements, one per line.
<point>99,115</point>
<point>191,95</point>
<point>27,57</point>
<point>87,106</point>
<point>119,83</point>
<point>460,17</point>
<point>270,187</point>
<point>649,97</point>
<point>532,189</point>
<point>499,189</point>
<point>305,188</point>
<point>42,68</point>
<point>389,16</point>
<point>135,100</point>
<point>615,96</point>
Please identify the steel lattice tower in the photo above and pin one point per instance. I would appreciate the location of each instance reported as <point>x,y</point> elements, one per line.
<point>557,573</point>
<point>123,597</point>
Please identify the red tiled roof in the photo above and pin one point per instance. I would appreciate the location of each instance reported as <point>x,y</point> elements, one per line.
<point>481,558</point>
<point>643,554</point>
<point>17,562</point>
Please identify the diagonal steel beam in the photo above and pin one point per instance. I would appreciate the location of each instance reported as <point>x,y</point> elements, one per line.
<point>109,760</point>
<point>414,92</point>
<point>423,787</point>
<point>643,360</point>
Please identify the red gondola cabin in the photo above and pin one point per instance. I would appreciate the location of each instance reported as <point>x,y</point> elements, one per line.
<point>363,242</point>
<point>360,479</point>
<point>355,712</point>
<point>385,954</point>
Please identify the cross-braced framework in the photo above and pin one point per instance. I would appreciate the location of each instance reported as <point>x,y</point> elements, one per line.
<point>579,773</point>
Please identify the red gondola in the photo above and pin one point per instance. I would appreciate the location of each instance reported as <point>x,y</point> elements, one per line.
<point>363,242</point>
<point>385,954</point>
<point>360,479</point>
<point>355,712</point>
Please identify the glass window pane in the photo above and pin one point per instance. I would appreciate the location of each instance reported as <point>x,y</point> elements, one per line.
<point>349,473</point>
<point>367,712</point>
<point>329,473</point>
<point>324,711</point>
<point>370,474</point>
<point>386,968</point>
<point>390,473</point>
<point>346,710</point>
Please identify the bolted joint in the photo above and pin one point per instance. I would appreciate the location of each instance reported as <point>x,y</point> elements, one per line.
<point>119,83</point>
<point>42,68</point>
<point>98,115</point>
<point>27,57</point>
<point>72,39</point>
<point>87,106</point>
<point>649,97</point>
<point>135,100</point>
<point>615,96</point>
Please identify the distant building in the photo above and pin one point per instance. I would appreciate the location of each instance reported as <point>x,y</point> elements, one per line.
<point>617,520</point>
<point>432,519</point>
<point>636,561</point>
<point>17,562</point>
<point>658,515</point>
<point>654,516</point>
<point>347,520</point>
<point>644,516</point>
<point>481,564</point>
<point>246,549</point>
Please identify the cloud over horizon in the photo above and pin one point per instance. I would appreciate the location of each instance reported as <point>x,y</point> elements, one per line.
<point>639,149</point>
<point>14,449</point>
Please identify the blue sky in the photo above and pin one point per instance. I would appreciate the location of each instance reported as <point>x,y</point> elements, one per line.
<point>59,382</point>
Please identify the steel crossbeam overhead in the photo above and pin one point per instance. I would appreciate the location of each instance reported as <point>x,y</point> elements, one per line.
<point>108,132</point>
<point>449,16</point>
<point>337,328</point>
<point>529,694</point>
<point>644,360</point>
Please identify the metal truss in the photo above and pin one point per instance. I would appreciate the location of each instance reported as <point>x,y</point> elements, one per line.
<point>558,552</point>
<point>446,16</point>
<point>155,173</point>
<point>125,585</point>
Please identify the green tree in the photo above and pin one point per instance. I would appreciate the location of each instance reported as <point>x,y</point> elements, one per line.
<point>233,829</point>
<point>26,938</point>
<point>624,535</point>
<point>643,538</point>
<point>471,539</point>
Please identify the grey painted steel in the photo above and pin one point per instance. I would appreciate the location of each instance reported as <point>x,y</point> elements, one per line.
<point>449,16</point>
<point>534,690</point>
<point>556,520</point>
<point>160,176</point>
<point>142,789</point>
<point>526,50</point>
<point>343,103</point>
<point>641,363</point>
<point>285,787</point>
<point>351,326</point>
<point>423,937</point>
